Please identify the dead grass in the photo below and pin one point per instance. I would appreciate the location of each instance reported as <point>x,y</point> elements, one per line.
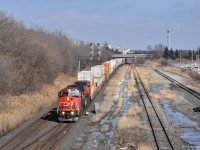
<point>23,107</point>
<point>131,83</point>
<point>152,63</point>
<point>175,70</point>
<point>195,76</point>
<point>143,146</point>
<point>156,96</point>
<point>96,117</point>
<point>128,122</point>
<point>164,94</point>
<point>146,77</point>
<point>135,110</point>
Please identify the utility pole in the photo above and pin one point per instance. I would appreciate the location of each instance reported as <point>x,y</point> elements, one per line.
<point>168,38</point>
<point>192,56</point>
<point>180,56</point>
<point>198,48</point>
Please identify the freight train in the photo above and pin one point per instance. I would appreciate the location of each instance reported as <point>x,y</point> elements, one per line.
<point>73,99</point>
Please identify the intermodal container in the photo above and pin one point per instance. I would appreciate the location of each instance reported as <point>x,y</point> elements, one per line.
<point>98,81</point>
<point>106,66</point>
<point>88,76</point>
<point>98,71</point>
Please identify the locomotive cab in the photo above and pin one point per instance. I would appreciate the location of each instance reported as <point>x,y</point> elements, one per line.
<point>69,104</point>
<point>85,85</point>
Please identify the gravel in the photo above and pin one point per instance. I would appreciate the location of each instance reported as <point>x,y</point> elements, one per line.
<point>184,103</point>
<point>86,135</point>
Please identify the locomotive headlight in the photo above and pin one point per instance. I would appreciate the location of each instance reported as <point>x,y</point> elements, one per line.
<point>72,112</point>
<point>62,112</point>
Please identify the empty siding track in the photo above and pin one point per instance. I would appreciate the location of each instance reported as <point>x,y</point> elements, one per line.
<point>189,90</point>
<point>52,139</point>
<point>159,131</point>
<point>21,137</point>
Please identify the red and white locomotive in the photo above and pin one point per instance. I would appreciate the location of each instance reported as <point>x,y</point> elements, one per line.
<point>72,100</point>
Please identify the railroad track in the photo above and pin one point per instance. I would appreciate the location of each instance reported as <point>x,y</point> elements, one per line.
<point>160,133</point>
<point>21,137</point>
<point>52,139</point>
<point>189,90</point>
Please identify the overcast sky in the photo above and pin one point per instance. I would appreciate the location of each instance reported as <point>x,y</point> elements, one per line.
<point>126,23</point>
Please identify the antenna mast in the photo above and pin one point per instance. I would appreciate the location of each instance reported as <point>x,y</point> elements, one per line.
<point>168,38</point>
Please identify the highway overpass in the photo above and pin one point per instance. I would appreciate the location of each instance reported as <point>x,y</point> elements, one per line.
<point>130,58</point>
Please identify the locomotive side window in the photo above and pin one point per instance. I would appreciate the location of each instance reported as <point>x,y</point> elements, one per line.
<point>62,93</point>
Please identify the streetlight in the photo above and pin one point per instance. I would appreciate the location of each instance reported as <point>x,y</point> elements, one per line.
<point>180,56</point>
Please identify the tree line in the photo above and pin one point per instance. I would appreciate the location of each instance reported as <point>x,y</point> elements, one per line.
<point>31,57</point>
<point>160,50</point>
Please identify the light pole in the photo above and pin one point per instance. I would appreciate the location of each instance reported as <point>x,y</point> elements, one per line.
<point>192,56</point>
<point>180,56</point>
<point>198,48</point>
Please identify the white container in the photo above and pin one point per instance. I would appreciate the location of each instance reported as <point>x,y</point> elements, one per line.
<point>86,76</point>
<point>113,63</point>
<point>120,61</point>
<point>98,71</point>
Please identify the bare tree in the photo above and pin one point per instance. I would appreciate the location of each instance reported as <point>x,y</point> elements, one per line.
<point>156,51</point>
<point>31,57</point>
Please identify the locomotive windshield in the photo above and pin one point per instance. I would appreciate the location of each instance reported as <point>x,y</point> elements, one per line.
<point>74,93</point>
<point>62,93</point>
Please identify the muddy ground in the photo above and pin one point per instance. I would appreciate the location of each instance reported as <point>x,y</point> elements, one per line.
<point>177,115</point>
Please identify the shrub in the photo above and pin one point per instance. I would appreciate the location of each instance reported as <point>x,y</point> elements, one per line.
<point>164,63</point>
<point>195,75</point>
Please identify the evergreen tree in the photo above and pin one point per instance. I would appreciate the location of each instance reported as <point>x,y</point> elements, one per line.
<point>176,54</point>
<point>189,55</point>
<point>171,54</point>
<point>166,53</point>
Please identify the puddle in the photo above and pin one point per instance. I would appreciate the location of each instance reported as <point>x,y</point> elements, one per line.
<point>192,136</point>
<point>156,88</point>
<point>96,133</point>
<point>113,108</point>
<point>126,105</point>
<point>175,117</point>
<point>115,121</point>
<point>103,121</point>
<point>189,135</point>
